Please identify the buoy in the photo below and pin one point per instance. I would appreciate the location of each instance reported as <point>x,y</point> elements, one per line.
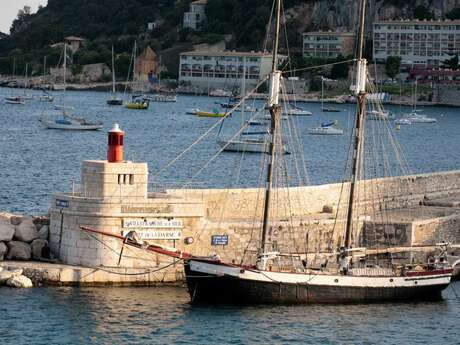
<point>115,147</point>
<point>398,127</point>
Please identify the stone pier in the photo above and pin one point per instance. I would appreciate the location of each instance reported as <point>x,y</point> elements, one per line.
<point>113,197</point>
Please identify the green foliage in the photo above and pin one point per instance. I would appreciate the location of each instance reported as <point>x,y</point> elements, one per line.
<point>339,71</point>
<point>451,63</point>
<point>392,66</point>
<point>421,12</point>
<point>454,14</point>
<point>76,69</point>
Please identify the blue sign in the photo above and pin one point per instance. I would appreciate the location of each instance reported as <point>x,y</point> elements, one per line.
<point>219,240</point>
<point>62,203</point>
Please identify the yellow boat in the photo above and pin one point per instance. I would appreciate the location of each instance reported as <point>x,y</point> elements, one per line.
<point>137,105</point>
<point>214,113</point>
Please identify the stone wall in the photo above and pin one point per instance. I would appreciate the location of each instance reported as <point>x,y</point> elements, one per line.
<point>307,225</point>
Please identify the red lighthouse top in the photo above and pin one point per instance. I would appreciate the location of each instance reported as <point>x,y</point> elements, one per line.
<point>115,147</point>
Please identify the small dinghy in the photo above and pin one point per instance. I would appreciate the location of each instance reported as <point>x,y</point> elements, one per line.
<point>68,122</point>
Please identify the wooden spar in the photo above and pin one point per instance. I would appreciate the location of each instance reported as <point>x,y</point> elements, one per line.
<point>359,129</point>
<point>154,248</point>
<point>275,115</point>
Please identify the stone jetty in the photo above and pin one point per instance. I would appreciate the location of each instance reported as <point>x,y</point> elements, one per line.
<point>23,239</point>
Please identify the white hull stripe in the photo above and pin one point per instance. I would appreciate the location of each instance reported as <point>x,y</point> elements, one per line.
<point>318,279</point>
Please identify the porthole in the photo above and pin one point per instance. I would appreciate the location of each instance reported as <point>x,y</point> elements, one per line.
<point>336,280</point>
<point>415,282</point>
<point>391,280</point>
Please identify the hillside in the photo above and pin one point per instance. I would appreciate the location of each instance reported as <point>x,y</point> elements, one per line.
<point>241,23</point>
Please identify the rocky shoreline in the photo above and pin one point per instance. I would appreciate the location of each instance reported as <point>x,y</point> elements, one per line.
<point>22,238</point>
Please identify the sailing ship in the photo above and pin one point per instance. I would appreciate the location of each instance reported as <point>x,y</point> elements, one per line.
<point>137,101</point>
<point>14,99</point>
<point>45,96</point>
<point>213,281</point>
<point>114,100</point>
<point>349,279</point>
<point>414,116</point>
<point>66,121</point>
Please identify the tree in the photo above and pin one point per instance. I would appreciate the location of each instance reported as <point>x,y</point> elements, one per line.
<point>421,12</point>
<point>453,14</point>
<point>392,66</point>
<point>451,63</point>
<point>339,71</point>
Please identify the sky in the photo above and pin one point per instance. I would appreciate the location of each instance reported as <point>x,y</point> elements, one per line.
<point>9,11</point>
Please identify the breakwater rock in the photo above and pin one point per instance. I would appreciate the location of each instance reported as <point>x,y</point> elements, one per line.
<point>14,278</point>
<point>22,238</point>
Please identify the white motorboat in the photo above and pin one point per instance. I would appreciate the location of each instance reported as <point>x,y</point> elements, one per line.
<point>379,114</point>
<point>163,98</point>
<point>329,128</point>
<point>419,118</point>
<point>403,121</point>
<point>296,111</point>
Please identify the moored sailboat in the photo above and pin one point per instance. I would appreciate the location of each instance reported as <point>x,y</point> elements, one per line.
<point>212,281</point>
<point>114,100</point>
<point>348,279</point>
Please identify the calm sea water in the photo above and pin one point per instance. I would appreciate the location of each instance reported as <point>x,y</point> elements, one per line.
<point>164,316</point>
<point>36,162</point>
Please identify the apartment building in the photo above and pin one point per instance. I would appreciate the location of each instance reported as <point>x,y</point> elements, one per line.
<point>223,69</point>
<point>418,43</point>
<point>328,45</point>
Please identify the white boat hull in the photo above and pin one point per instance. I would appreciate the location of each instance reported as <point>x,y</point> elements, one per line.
<point>325,131</point>
<point>246,146</point>
<point>72,127</point>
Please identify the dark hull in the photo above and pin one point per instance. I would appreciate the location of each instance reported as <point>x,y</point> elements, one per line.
<point>204,288</point>
<point>114,102</point>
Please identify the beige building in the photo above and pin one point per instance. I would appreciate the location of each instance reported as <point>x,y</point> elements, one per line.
<point>328,45</point>
<point>425,43</point>
<point>223,69</point>
<point>147,65</point>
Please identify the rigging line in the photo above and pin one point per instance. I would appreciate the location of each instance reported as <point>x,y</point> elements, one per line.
<point>259,192</point>
<point>318,66</point>
<point>217,154</point>
<point>208,131</point>
<point>118,253</point>
<point>268,28</point>
<point>295,142</point>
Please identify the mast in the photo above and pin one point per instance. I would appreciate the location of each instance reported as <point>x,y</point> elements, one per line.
<point>44,69</point>
<point>322,93</point>
<point>113,73</point>
<point>275,111</point>
<point>361,75</point>
<point>65,72</point>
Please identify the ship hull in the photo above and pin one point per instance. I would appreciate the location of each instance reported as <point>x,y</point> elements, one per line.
<point>226,288</point>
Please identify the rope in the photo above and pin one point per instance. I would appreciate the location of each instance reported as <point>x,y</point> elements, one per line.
<point>318,66</point>
<point>209,130</point>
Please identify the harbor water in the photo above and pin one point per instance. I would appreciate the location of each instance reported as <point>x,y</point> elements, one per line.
<point>52,316</point>
<point>36,162</point>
